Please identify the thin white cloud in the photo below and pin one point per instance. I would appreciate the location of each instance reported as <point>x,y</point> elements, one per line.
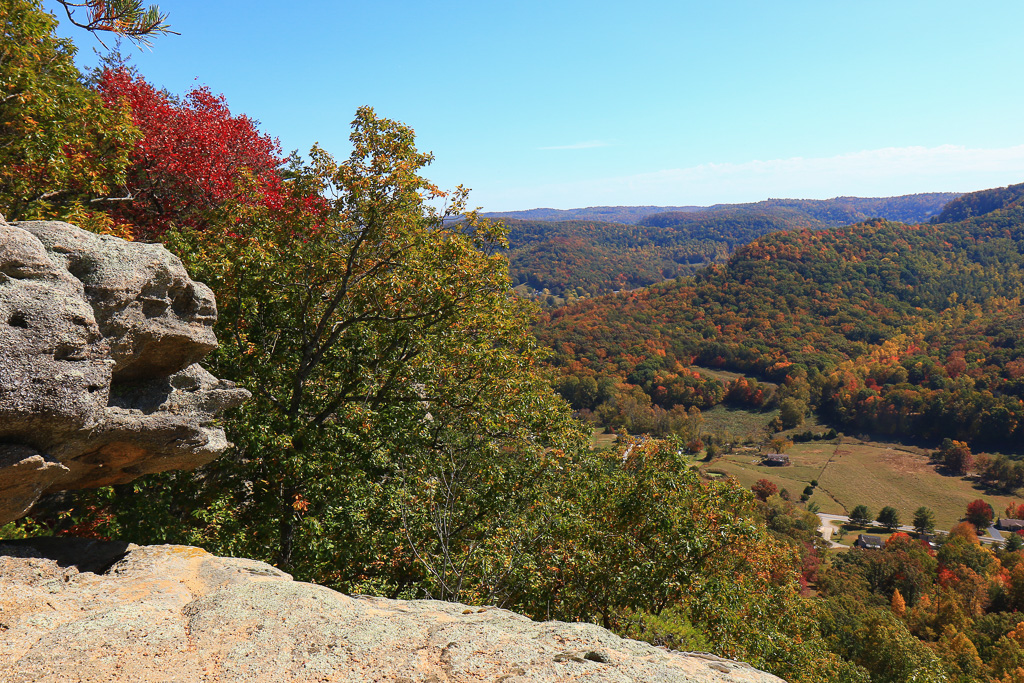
<point>869,173</point>
<point>589,144</point>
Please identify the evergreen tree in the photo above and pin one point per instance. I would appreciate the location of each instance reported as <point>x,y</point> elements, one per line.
<point>924,520</point>
<point>860,516</point>
<point>889,518</point>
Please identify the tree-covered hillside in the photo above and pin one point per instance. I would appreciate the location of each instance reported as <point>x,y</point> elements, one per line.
<point>900,329</point>
<point>584,257</point>
<point>911,208</point>
<point>579,259</point>
<point>980,203</point>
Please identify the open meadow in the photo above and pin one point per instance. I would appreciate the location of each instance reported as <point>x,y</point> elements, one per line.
<point>851,472</point>
<point>601,440</point>
<point>736,423</point>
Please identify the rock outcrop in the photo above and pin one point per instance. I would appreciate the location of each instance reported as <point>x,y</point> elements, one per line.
<point>99,381</point>
<point>173,613</point>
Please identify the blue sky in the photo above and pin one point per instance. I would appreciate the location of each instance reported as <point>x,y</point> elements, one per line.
<point>565,104</point>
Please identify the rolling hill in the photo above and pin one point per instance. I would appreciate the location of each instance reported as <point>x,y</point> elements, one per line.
<point>580,253</point>
<point>881,326</point>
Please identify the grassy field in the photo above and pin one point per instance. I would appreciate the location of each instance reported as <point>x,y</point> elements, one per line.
<point>736,423</point>
<point>808,460</point>
<point>723,376</point>
<point>855,472</point>
<point>880,474</point>
<point>599,441</point>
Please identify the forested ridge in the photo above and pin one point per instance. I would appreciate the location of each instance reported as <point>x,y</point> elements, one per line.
<point>584,256</point>
<point>909,330</point>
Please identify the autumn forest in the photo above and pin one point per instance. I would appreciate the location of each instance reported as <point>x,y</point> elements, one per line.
<point>570,414</point>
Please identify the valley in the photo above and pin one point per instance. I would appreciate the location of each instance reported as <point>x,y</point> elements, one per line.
<point>885,360</point>
<point>909,333</point>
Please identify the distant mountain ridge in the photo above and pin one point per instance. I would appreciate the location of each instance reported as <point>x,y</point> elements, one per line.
<point>584,257</point>
<point>911,208</point>
<point>608,214</point>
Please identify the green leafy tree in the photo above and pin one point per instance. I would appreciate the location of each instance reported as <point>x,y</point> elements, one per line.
<point>399,425</point>
<point>792,412</point>
<point>889,517</point>
<point>924,520</point>
<point>640,534</point>
<point>60,143</point>
<point>860,516</point>
<point>877,640</point>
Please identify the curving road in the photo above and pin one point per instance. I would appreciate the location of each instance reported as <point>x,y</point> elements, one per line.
<point>826,529</point>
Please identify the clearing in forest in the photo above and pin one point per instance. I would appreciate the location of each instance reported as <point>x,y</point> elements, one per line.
<point>875,474</point>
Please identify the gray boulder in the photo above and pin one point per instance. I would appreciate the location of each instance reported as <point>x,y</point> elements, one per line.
<point>99,382</point>
<point>173,613</point>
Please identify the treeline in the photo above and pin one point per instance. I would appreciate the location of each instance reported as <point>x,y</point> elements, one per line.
<point>980,203</point>
<point>582,258</point>
<point>882,327</point>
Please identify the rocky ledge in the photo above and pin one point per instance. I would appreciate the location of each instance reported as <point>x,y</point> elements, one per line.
<point>77,610</point>
<point>99,378</point>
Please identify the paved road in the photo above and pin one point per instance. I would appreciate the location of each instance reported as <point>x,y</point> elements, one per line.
<point>826,529</point>
<point>827,521</point>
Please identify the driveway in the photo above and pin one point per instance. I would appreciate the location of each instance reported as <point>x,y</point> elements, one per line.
<point>827,528</point>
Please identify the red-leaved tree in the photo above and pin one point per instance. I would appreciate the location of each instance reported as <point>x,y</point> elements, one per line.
<point>193,156</point>
<point>764,489</point>
<point>979,513</point>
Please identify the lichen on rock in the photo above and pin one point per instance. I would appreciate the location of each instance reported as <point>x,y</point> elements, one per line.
<point>99,378</point>
<point>93,611</point>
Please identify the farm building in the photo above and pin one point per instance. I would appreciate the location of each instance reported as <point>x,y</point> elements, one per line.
<point>1010,524</point>
<point>868,542</point>
<point>776,459</point>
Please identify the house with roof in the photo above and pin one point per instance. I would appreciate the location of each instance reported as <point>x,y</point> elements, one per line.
<point>868,542</point>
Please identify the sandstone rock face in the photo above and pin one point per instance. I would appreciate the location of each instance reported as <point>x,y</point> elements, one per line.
<point>173,613</point>
<point>99,340</point>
